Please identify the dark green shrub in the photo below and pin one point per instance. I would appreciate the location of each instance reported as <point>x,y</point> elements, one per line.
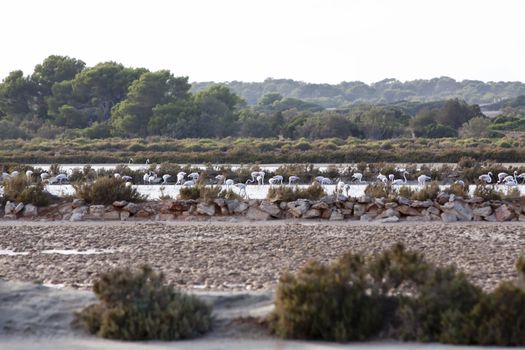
<point>327,303</point>
<point>106,190</point>
<point>139,305</point>
<point>290,194</point>
<point>499,318</point>
<point>405,191</point>
<point>186,193</point>
<point>21,189</point>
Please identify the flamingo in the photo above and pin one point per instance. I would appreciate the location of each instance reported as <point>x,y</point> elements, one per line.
<point>521,176</point>
<point>116,175</point>
<point>510,178</point>
<point>357,177</point>
<point>220,178</point>
<point>323,180</point>
<point>180,177</point>
<point>165,178</point>
<point>194,176</point>
<point>460,182</point>
<point>127,178</point>
<point>502,176</point>
<point>15,173</point>
<point>486,178</point>
<point>228,183</point>
<point>422,179</point>
<point>146,178</point>
<point>147,161</point>
<point>293,179</point>
<point>44,176</point>
<point>130,161</point>
<point>152,178</point>
<point>400,181</point>
<point>271,181</point>
<point>29,174</point>
<point>189,183</point>
<point>391,177</point>
<point>382,178</point>
<point>278,178</point>
<point>242,189</point>
<point>61,178</point>
<point>254,175</point>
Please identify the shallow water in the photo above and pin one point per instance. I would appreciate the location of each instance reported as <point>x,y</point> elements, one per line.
<point>252,191</point>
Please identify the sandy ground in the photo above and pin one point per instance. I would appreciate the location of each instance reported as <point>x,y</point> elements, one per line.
<point>234,266</point>
<point>242,256</point>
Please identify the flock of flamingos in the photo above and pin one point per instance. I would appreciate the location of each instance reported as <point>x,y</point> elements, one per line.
<point>258,178</point>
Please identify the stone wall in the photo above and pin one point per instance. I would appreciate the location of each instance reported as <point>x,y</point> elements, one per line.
<point>446,208</point>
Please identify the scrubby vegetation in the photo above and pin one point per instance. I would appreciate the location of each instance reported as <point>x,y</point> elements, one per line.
<point>290,194</point>
<point>139,305</point>
<point>106,190</point>
<point>21,189</point>
<point>398,294</point>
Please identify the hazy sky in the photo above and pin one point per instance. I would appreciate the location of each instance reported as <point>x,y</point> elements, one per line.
<point>316,41</point>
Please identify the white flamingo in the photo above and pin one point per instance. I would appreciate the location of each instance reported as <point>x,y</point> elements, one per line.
<point>324,180</point>
<point>357,177</point>
<point>391,177</point>
<point>278,178</point>
<point>165,178</point>
<point>228,183</point>
<point>502,176</point>
<point>29,174</point>
<point>521,176</point>
<point>15,173</point>
<point>511,178</point>
<point>145,178</point>
<point>180,177</point>
<point>152,178</point>
<point>272,181</point>
<point>127,178</point>
<point>254,175</point>
<point>194,176</point>
<point>486,178</point>
<point>189,183</point>
<point>400,181</point>
<point>293,179</point>
<point>242,189</point>
<point>422,180</point>
<point>220,179</point>
<point>382,178</point>
<point>460,182</point>
<point>116,176</point>
<point>61,178</point>
<point>44,176</point>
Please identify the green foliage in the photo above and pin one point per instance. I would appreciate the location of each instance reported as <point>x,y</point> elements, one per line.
<point>139,305</point>
<point>405,191</point>
<point>458,190</point>
<point>290,194</point>
<point>106,190</point>
<point>20,189</point>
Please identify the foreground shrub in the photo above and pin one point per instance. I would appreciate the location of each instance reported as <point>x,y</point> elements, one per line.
<point>21,189</point>
<point>290,194</point>
<point>378,190</point>
<point>139,305</point>
<point>397,294</point>
<point>327,303</point>
<point>458,189</point>
<point>106,190</point>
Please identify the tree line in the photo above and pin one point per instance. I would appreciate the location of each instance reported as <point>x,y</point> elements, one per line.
<point>63,97</point>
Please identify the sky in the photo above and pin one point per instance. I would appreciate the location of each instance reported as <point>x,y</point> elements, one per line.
<point>320,41</point>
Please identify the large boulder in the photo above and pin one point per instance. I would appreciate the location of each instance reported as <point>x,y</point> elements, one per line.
<point>77,203</point>
<point>408,211</point>
<point>462,211</point>
<point>447,216</point>
<point>9,208</point>
<point>483,211</point>
<point>206,209</point>
<point>270,208</point>
<point>503,213</point>
<point>336,216</point>
<point>254,213</point>
<point>30,210</point>
<point>422,204</point>
<point>241,208</point>
<point>19,207</point>
<point>131,208</point>
<point>359,209</point>
<point>312,214</point>
<point>120,204</point>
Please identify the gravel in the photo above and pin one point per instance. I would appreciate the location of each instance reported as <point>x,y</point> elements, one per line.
<point>245,256</point>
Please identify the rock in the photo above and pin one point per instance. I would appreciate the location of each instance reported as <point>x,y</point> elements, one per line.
<point>132,208</point>
<point>349,205</point>
<point>18,208</point>
<point>241,208</point>
<point>474,200</point>
<point>142,214</point>
<point>442,198</point>
<point>97,209</point>
<point>76,217</point>
<point>380,202</point>
<point>433,211</point>
<point>389,213</point>
<point>111,215</point>
<point>270,208</point>
<point>326,213</point>
<point>320,205</point>
<point>30,211</point>
<point>9,208</point>
<point>408,211</point>
<point>231,204</point>
<point>422,204</point>
<point>166,217</point>
<point>389,219</point>
<point>462,211</point>
<point>77,203</point>
<point>491,218</point>
<point>180,205</point>
<point>359,209</point>
<point>483,211</point>
<point>206,209</point>
<point>81,210</point>
<point>366,217</point>
<point>391,205</point>
<point>364,199</point>
<point>404,201</point>
<point>336,216</point>
<point>283,205</point>
<point>257,214</point>
<point>124,215</point>
<point>65,209</point>
<point>312,214</point>
<point>329,200</point>
<point>448,217</point>
<point>221,202</point>
<point>504,213</point>
<point>120,204</point>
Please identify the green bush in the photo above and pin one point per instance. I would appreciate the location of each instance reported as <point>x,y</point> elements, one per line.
<point>458,190</point>
<point>327,303</point>
<point>290,194</point>
<point>21,189</point>
<point>106,190</point>
<point>405,191</point>
<point>139,305</point>
<point>187,193</point>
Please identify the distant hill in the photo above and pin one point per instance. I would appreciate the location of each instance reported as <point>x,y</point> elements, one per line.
<point>385,91</point>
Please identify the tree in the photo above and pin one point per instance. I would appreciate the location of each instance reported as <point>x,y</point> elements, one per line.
<point>177,119</point>
<point>477,127</point>
<point>132,115</point>
<point>17,96</point>
<point>456,112</point>
<point>269,99</point>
